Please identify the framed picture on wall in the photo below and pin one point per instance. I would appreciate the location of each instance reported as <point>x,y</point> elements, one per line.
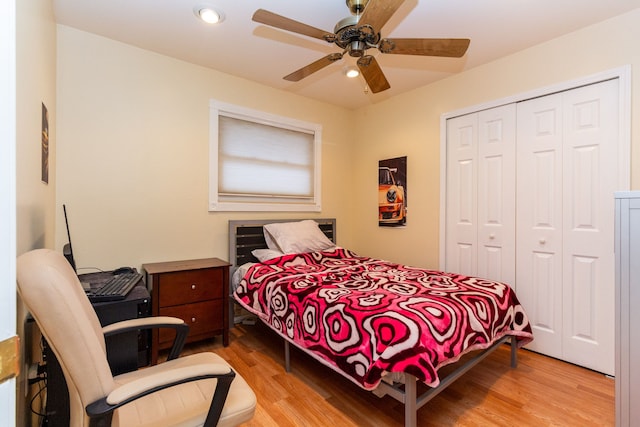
<point>392,192</point>
<point>45,144</point>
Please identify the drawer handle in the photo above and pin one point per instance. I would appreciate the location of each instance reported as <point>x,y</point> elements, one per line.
<point>193,320</point>
<point>193,286</point>
<point>542,240</point>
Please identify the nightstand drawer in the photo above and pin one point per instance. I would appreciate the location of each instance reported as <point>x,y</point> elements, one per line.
<point>201,317</point>
<point>196,291</point>
<point>185,287</point>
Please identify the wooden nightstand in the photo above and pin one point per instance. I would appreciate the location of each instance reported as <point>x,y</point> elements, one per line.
<point>196,291</point>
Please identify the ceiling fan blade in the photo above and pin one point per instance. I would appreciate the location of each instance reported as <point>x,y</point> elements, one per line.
<point>318,65</point>
<point>274,20</point>
<point>453,48</point>
<point>378,12</point>
<point>373,74</point>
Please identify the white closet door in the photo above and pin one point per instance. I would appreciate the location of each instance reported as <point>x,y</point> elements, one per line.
<point>539,220</point>
<point>462,195</point>
<point>567,157</point>
<point>590,180</point>
<point>480,239</point>
<point>496,193</point>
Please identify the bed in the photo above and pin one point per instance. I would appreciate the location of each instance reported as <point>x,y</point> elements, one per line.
<point>384,326</point>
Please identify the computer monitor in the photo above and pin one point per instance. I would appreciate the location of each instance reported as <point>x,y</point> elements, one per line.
<point>67,250</point>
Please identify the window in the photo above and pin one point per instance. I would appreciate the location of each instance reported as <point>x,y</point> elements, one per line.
<point>262,162</point>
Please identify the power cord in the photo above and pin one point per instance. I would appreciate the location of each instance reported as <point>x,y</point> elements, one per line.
<point>39,412</point>
<point>38,376</point>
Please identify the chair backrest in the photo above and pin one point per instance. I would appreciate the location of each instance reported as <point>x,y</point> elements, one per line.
<point>53,294</point>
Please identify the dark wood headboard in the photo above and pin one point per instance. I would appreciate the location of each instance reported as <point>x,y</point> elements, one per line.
<point>245,236</point>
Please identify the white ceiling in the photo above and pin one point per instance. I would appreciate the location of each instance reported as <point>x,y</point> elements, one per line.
<point>263,54</point>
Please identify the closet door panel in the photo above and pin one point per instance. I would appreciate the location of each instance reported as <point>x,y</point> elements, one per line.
<point>539,219</point>
<point>543,296</point>
<point>496,193</point>
<point>461,222</point>
<point>590,155</point>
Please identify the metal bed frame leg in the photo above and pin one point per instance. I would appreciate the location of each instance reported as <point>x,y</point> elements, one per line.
<point>410,401</point>
<point>514,352</point>
<point>287,356</point>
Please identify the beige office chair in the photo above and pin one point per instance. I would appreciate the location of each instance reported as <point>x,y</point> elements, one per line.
<point>195,390</point>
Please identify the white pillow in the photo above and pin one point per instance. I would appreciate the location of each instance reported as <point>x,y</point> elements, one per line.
<point>237,276</point>
<point>266,254</point>
<point>296,237</point>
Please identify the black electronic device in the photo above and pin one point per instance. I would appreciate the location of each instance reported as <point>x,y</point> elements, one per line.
<point>123,270</point>
<point>67,250</point>
<point>114,289</point>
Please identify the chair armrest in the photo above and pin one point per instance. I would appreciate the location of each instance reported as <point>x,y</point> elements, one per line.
<point>155,322</point>
<point>102,409</point>
<point>140,323</point>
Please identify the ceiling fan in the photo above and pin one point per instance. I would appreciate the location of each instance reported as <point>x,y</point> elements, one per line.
<point>360,32</point>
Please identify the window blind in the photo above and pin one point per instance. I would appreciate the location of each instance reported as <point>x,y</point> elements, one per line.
<point>262,160</point>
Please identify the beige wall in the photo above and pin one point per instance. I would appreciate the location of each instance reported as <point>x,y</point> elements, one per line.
<point>35,216</point>
<point>410,125</point>
<point>35,84</point>
<point>133,130</point>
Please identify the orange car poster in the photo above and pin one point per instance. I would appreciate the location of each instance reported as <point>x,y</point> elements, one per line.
<point>392,192</point>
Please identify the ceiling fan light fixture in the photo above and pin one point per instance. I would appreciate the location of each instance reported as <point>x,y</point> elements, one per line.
<point>208,14</point>
<point>351,72</point>
<point>357,48</point>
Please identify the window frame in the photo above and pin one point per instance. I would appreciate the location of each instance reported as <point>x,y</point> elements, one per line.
<point>261,203</point>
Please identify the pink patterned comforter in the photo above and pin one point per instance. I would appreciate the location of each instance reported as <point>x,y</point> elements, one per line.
<point>364,317</point>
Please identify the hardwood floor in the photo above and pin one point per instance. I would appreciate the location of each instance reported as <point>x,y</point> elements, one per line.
<point>541,391</point>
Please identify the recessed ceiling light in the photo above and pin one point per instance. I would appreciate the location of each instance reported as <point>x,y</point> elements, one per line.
<point>208,14</point>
